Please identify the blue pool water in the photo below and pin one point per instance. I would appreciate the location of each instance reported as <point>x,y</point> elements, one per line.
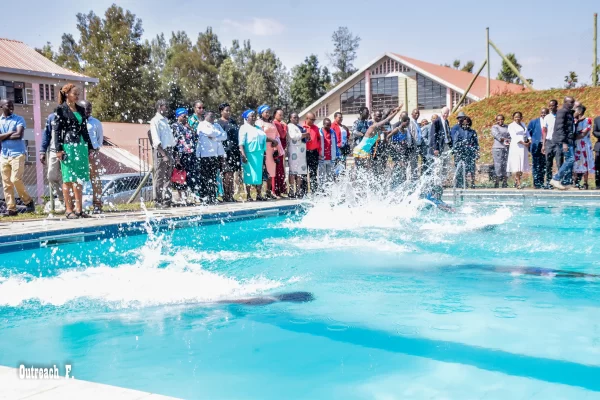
<point>407,305</point>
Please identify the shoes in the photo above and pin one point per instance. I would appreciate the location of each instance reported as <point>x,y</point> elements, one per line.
<point>30,207</point>
<point>9,213</point>
<point>557,184</point>
<point>97,210</point>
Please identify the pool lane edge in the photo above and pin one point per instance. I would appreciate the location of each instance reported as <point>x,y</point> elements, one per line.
<point>56,236</point>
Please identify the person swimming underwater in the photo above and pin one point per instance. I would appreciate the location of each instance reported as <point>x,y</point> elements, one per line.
<point>292,297</point>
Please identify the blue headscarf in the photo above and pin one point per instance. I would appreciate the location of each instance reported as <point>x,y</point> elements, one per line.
<point>263,108</point>
<point>180,111</point>
<point>246,113</point>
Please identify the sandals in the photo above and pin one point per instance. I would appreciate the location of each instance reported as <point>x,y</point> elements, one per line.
<point>83,215</point>
<point>71,215</point>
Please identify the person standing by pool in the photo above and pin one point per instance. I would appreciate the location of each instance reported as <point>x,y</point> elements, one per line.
<point>198,115</point>
<point>440,141</point>
<point>329,153</point>
<point>466,149</point>
<point>500,150</point>
<point>360,126</point>
<point>232,151</point>
<point>210,136</point>
<point>280,186</point>
<point>71,143</point>
<point>564,137</point>
<point>185,151</point>
<point>518,160</point>
<point>551,150</point>
<point>584,160</point>
<point>596,132</point>
<point>96,138</point>
<point>538,159</point>
<point>341,133</point>
<point>54,175</point>
<point>297,137</point>
<point>423,149</point>
<point>12,160</point>
<point>313,146</point>
<point>163,142</point>
<point>273,155</point>
<point>253,145</point>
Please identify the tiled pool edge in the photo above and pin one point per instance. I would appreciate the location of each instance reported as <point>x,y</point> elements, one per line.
<point>53,237</point>
<point>15,388</point>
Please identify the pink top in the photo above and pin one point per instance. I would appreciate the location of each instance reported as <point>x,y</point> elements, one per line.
<point>272,133</point>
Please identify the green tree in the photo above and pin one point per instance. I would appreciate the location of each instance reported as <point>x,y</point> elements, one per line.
<point>506,74</point>
<point>571,80</point>
<point>232,85</point>
<point>69,54</point>
<point>468,67</point>
<point>112,50</point>
<point>345,46</point>
<point>47,51</point>
<point>309,82</point>
<point>456,64</point>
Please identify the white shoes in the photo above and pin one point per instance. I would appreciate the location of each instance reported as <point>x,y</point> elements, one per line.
<point>557,184</point>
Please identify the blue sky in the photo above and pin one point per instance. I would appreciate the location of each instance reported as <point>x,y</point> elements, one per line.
<point>549,41</point>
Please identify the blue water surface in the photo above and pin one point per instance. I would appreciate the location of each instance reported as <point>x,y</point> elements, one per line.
<point>477,304</point>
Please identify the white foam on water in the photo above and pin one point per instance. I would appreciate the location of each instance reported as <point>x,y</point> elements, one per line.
<point>470,224</point>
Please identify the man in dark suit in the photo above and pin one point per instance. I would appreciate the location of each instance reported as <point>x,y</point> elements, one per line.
<point>596,132</point>
<point>564,136</point>
<point>538,159</point>
<point>440,140</point>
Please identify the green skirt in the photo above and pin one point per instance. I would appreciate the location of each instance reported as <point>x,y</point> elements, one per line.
<point>76,168</point>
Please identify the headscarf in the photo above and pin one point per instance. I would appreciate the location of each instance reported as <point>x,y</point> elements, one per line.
<point>262,109</point>
<point>246,113</point>
<point>180,111</point>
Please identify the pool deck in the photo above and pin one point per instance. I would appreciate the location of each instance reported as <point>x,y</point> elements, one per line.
<point>35,233</point>
<point>12,387</point>
<point>524,194</point>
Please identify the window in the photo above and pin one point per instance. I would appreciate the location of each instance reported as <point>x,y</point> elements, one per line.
<point>14,91</point>
<point>31,151</point>
<point>353,99</point>
<point>456,97</point>
<point>384,93</point>
<point>430,95</point>
<point>323,111</point>
<point>46,92</point>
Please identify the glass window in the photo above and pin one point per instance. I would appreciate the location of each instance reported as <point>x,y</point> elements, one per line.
<point>384,93</point>
<point>51,98</point>
<point>430,95</point>
<point>42,92</point>
<point>353,99</point>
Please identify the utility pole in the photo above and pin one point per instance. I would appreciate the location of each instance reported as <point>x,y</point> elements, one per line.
<point>512,66</point>
<point>595,65</point>
<point>487,59</point>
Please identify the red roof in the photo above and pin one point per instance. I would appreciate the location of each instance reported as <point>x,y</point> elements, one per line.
<point>17,57</point>
<point>461,79</point>
<point>125,135</point>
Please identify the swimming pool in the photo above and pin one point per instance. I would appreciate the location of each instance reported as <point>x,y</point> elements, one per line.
<point>407,305</point>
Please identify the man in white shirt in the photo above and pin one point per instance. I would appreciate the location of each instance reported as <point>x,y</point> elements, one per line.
<point>551,150</point>
<point>163,142</point>
<point>96,137</point>
<point>210,138</point>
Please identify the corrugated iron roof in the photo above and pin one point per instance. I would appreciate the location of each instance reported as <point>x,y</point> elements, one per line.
<point>17,57</point>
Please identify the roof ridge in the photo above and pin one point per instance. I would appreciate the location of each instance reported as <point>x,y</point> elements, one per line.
<point>11,40</point>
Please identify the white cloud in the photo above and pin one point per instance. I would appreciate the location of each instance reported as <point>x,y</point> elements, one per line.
<point>256,26</point>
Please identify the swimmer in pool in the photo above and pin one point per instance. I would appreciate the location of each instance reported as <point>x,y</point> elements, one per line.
<point>539,271</point>
<point>434,197</point>
<point>293,297</point>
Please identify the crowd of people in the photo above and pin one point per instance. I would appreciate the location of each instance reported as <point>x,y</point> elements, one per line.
<point>206,156</point>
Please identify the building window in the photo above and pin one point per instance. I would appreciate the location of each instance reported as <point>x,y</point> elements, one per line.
<point>456,97</point>
<point>430,95</point>
<point>31,153</point>
<point>322,112</point>
<point>46,92</point>
<point>388,66</point>
<point>353,99</point>
<point>384,92</point>
<point>14,91</point>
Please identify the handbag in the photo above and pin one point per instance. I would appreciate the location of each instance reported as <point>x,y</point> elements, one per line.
<point>178,176</point>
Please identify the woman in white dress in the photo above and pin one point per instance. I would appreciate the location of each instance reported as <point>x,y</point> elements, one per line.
<point>518,151</point>
<point>296,148</point>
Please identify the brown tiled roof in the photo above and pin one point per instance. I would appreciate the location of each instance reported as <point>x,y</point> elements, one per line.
<point>461,79</point>
<point>17,57</point>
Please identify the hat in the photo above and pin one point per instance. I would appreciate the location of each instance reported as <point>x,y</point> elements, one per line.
<point>246,113</point>
<point>180,111</point>
<point>461,115</point>
<point>263,108</point>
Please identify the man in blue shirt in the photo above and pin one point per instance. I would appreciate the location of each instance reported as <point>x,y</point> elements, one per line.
<point>538,158</point>
<point>54,173</point>
<point>97,138</point>
<point>12,158</point>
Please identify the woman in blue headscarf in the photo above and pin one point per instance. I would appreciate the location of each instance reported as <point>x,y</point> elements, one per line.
<point>185,152</point>
<point>253,144</point>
